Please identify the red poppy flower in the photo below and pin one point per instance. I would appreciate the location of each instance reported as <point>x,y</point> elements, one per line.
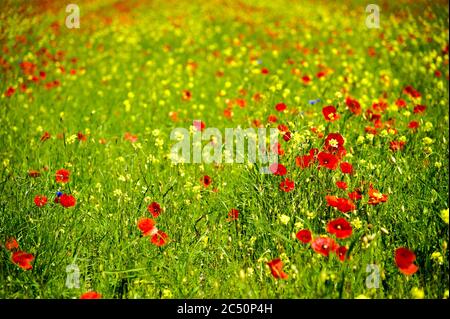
<point>340,228</point>
<point>206,180</point>
<point>418,109</point>
<point>159,239</point>
<point>228,113</point>
<point>287,185</point>
<point>400,103</point>
<point>33,173</point>
<point>11,244</point>
<point>396,145</point>
<point>10,91</point>
<point>345,205</point>
<point>346,168</point>
<point>328,160</point>
<point>154,208</point>
<point>329,113</point>
<point>62,175</point>
<point>199,125</point>
<point>304,161</point>
<point>67,200</point>
<point>264,71</point>
<point>287,136</point>
<point>283,128</point>
<point>306,79</point>
<point>280,107</point>
<point>353,105</point>
<point>371,130</point>
<point>331,200</point>
<point>272,118</point>
<point>45,136</point>
<point>334,144</point>
<point>276,266</point>
<point>40,200</point>
<point>81,137</point>
<point>186,95</point>
<point>233,214</point>
<point>379,106</point>
<point>341,185</point>
<point>320,74</point>
<point>375,197</point>
<point>241,103</point>
<point>355,195</point>
<point>147,226</point>
<point>278,169</point>
<point>324,245</point>
<point>413,125</point>
<point>22,259</point>
<point>91,295</point>
<point>341,252</point>
<point>404,259</point>
<point>130,137</point>
<point>304,236</point>
<point>276,148</point>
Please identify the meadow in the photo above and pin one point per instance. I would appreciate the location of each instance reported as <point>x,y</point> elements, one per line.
<point>92,204</point>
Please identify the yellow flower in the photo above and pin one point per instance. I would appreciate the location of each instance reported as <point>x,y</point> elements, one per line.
<point>427,141</point>
<point>166,293</point>
<point>356,223</point>
<point>284,219</point>
<point>437,257</point>
<point>444,215</point>
<point>417,293</point>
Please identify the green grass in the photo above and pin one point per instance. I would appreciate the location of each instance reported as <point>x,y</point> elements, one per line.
<point>130,76</point>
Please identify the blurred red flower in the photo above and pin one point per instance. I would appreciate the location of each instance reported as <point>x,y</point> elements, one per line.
<point>404,259</point>
<point>328,160</point>
<point>329,113</point>
<point>340,228</point>
<point>91,295</point>
<point>62,175</point>
<point>287,185</point>
<point>324,245</point>
<point>11,244</point>
<point>206,180</point>
<point>45,136</point>
<point>341,185</point>
<point>375,197</point>
<point>341,252</point>
<point>418,109</point>
<point>40,200</point>
<point>396,145</point>
<point>353,105</point>
<point>233,214</point>
<point>280,107</point>
<point>159,239</point>
<point>154,208</point>
<point>67,200</point>
<point>346,168</point>
<point>304,236</point>
<point>276,266</point>
<point>278,169</point>
<point>22,259</point>
<point>147,226</point>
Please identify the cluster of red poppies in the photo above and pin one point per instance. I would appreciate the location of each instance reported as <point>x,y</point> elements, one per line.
<point>148,226</point>
<point>66,200</point>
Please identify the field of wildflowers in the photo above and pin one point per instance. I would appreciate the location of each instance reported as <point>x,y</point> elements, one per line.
<point>93,204</point>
